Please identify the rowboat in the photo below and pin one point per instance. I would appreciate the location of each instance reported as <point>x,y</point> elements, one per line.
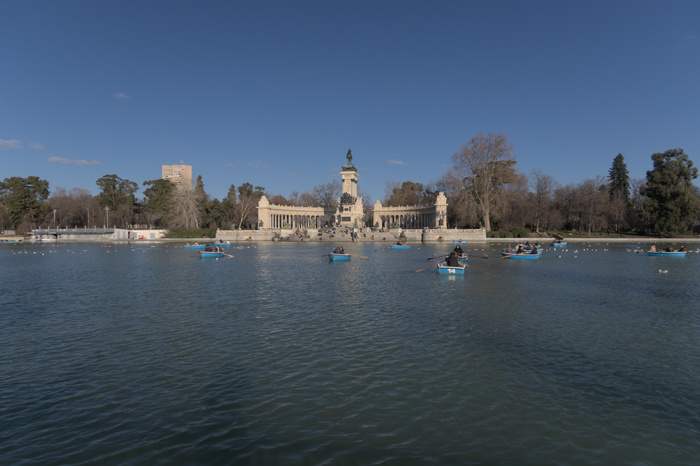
<point>444,269</point>
<point>195,246</point>
<point>210,254</point>
<point>463,257</point>
<point>222,244</point>
<point>459,243</point>
<point>666,253</point>
<point>400,246</point>
<point>339,257</point>
<point>558,244</point>
<point>523,255</point>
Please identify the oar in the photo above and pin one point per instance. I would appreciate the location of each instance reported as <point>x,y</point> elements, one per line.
<point>420,270</point>
<point>325,255</point>
<point>509,254</point>
<point>431,258</point>
<point>478,257</point>
<point>482,273</point>
<point>229,255</point>
<point>363,257</point>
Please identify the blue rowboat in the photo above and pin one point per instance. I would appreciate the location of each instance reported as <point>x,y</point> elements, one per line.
<point>444,269</point>
<point>463,257</point>
<point>210,254</point>
<point>558,244</point>
<point>524,255</point>
<point>222,244</point>
<point>667,253</point>
<point>339,257</point>
<point>195,246</point>
<point>459,243</point>
<point>398,246</point>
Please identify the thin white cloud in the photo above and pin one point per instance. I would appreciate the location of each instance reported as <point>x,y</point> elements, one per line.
<point>9,144</point>
<point>36,146</point>
<point>294,174</point>
<point>121,95</point>
<point>257,165</point>
<point>395,162</point>
<point>64,161</point>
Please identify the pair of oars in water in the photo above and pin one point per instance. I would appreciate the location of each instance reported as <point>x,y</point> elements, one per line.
<point>361,257</point>
<point>436,257</point>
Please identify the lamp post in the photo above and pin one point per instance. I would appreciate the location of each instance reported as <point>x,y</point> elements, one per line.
<point>54,218</point>
<point>107,215</point>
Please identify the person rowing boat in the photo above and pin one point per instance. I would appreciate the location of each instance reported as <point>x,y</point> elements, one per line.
<point>452,260</point>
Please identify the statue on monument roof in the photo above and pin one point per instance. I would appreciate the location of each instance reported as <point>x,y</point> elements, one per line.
<point>349,156</point>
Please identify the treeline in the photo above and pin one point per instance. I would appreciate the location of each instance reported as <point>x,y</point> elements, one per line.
<point>483,186</point>
<point>27,203</point>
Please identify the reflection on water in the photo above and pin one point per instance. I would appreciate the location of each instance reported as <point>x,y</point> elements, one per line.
<point>144,352</point>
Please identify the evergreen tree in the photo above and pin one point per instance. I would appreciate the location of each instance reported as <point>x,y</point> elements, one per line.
<point>619,189</point>
<point>120,196</point>
<point>201,199</point>
<point>158,197</point>
<point>671,202</point>
<point>619,178</point>
<point>24,198</point>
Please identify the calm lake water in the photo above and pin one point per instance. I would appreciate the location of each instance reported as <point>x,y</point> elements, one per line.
<point>146,354</point>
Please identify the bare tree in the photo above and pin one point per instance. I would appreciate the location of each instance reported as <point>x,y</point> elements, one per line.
<point>543,186</point>
<point>594,196</point>
<point>247,207</point>
<point>306,199</point>
<point>184,210</point>
<point>327,194</point>
<point>485,165</point>
<point>636,203</point>
<point>515,206</point>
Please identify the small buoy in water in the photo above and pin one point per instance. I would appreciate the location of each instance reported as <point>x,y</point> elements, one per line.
<point>663,271</point>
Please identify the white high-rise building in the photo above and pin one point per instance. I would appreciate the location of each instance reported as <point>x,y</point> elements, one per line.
<point>180,175</point>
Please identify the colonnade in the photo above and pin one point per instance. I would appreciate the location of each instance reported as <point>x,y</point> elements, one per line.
<point>298,221</point>
<point>408,220</point>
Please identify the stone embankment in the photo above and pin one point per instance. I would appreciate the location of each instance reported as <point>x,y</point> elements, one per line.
<point>347,235</point>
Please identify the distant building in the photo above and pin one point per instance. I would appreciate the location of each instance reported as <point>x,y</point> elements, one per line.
<point>349,212</point>
<point>180,175</point>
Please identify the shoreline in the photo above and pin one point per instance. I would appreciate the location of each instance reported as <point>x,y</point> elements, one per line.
<point>544,241</point>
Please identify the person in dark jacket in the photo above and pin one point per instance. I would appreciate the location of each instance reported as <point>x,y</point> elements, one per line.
<point>453,260</point>
<point>339,250</point>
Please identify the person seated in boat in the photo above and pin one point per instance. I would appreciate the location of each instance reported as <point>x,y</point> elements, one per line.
<point>520,249</point>
<point>508,249</point>
<point>452,260</point>
<point>527,244</point>
<point>217,249</point>
<point>682,249</point>
<point>652,248</point>
<point>188,243</point>
<point>458,250</point>
<point>534,250</point>
<point>207,248</point>
<point>668,249</point>
<point>339,250</point>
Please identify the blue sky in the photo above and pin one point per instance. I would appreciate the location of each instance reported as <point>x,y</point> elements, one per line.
<point>275,92</point>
